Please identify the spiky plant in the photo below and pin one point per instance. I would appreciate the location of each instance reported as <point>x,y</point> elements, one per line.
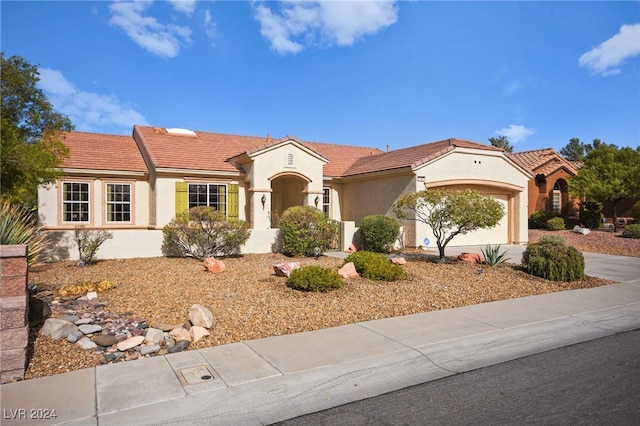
<point>492,255</point>
<point>19,226</point>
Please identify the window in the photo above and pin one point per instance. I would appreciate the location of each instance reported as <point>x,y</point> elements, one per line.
<point>208,194</point>
<point>75,202</point>
<point>325,201</point>
<point>118,202</point>
<point>557,199</point>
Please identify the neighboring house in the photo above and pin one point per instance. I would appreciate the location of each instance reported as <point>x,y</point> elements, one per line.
<point>549,189</point>
<point>133,186</point>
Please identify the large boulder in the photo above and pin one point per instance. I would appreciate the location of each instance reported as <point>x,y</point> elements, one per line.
<point>200,316</point>
<point>579,230</point>
<point>284,269</point>
<point>211,264</point>
<point>471,257</point>
<point>39,311</point>
<point>348,271</point>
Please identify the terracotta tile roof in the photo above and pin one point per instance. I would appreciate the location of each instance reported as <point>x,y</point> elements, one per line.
<point>102,152</point>
<point>211,151</point>
<point>544,161</point>
<point>411,157</point>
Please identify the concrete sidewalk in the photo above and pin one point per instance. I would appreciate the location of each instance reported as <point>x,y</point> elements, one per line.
<point>277,378</point>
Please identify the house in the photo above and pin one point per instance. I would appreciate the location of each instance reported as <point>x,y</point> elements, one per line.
<point>133,186</point>
<point>549,189</point>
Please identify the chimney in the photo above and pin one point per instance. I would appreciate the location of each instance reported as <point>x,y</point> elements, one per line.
<point>387,147</point>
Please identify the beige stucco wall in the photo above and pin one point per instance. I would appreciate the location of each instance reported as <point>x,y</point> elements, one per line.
<point>50,203</point>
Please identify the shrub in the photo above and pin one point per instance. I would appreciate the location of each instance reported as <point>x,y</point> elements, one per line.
<point>375,266</point>
<point>492,255</point>
<point>538,220</point>
<point>551,259</point>
<point>551,239</point>
<point>632,231</point>
<point>89,242</point>
<point>590,214</point>
<point>204,232</point>
<point>18,226</point>
<point>314,278</point>
<point>306,231</point>
<point>555,224</point>
<point>378,233</point>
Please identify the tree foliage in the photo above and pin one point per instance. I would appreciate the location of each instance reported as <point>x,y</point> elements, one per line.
<point>31,145</point>
<point>449,213</point>
<point>502,142</point>
<point>609,174</point>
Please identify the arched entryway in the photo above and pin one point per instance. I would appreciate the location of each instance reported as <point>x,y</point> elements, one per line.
<point>287,190</point>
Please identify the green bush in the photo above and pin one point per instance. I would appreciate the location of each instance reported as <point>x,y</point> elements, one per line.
<point>551,239</point>
<point>538,220</point>
<point>555,224</point>
<point>590,214</point>
<point>551,259</point>
<point>89,242</point>
<point>378,233</point>
<point>18,226</point>
<point>632,231</point>
<point>375,266</point>
<point>492,255</point>
<point>204,232</point>
<point>306,231</point>
<point>314,278</point>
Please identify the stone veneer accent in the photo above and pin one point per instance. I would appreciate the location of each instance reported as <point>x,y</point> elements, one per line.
<point>14,324</point>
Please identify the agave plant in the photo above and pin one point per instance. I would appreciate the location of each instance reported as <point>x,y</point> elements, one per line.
<point>492,255</point>
<point>18,226</point>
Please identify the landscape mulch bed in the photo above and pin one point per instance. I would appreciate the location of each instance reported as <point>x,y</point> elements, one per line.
<point>249,301</point>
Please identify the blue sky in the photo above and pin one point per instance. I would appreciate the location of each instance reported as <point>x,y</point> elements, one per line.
<point>357,73</point>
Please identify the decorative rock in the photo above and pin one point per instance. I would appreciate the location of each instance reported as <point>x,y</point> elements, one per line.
<point>86,343</point>
<point>348,271</point>
<point>68,318</point>
<point>39,311</point>
<point>198,333</point>
<point>92,295</point>
<point>180,346</point>
<point>130,343</point>
<point>153,335</point>
<point>166,327</point>
<point>353,248</point>
<point>284,269</point>
<point>398,260</point>
<point>471,257</point>
<point>579,230</point>
<point>199,315</point>
<point>137,332</point>
<point>90,328</point>
<point>151,349</point>
<point>169,341</point>
<point>84,321</point>
<point>105,340</point>
<point>214,265</point>
<point>74,336</point>
<point>180,334</point>
<point>57,329</point>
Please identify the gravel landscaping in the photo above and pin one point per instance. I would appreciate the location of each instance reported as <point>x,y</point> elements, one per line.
<point>249,301</point>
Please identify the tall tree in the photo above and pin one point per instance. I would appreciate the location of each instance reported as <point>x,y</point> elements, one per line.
<point>31,134</point>
<point>449,213</point>
<point>609,174</point>
<point>501,142</point>
<point>574,151</point>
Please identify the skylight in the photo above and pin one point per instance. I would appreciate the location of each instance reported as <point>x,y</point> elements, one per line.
<point>183,132</point>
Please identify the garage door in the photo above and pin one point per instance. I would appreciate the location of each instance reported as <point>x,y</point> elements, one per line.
<point>499,234</point>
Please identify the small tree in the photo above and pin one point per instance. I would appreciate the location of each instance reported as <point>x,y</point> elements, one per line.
<point>449,213</point>
<point>502,142</point>
<point>378,233</point>
<point>610,174</point>
<point>306,231</point>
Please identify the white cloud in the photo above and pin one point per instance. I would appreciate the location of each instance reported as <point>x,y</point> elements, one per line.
<point>516,133</point>
<point>164,40</point>
<point>297,24</point>
<point>89,112</point>
<point>210,26</point>
<point>515,86</point>
<point>185,6</point>
<point>605,58</point>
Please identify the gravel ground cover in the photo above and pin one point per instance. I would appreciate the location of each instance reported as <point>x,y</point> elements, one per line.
<point>249,301</point>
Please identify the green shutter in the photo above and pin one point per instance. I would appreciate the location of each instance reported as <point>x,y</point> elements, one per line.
<point>233,201</point>
<point>182,198</point>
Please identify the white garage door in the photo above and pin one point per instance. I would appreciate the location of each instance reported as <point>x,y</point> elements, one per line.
<point>499,234</point>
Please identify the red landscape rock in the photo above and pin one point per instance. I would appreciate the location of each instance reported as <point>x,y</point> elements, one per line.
<point>214,265</point>
<point>348,271</point>
<point>284,269</point>
<point>471,257</point>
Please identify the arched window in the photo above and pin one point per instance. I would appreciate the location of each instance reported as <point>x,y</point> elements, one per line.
<point>557,198</point>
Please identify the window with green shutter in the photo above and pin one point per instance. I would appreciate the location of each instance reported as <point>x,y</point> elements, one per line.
<point>233,201</point>
<point>221,197</point>
<point>182,198</point>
